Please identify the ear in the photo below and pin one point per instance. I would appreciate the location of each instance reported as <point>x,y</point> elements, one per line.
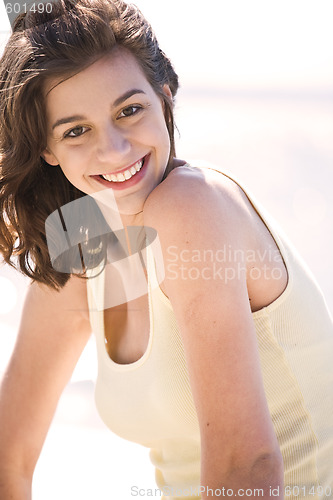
<point>167,91</point>
<point>49,158</point>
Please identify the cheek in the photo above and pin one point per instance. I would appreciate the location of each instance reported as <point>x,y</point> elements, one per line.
<point>160,133</point>
<point>72,160</point>
<point>72,168</point>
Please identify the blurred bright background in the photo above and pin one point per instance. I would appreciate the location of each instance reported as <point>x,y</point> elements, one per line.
<point>257,100</point>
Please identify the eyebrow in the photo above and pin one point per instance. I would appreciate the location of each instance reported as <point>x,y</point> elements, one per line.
<point>74,118</point>
<point>126,96</point>
<point>67,119</point>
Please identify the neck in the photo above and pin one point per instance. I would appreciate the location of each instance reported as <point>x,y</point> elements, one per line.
<point>132,219</point>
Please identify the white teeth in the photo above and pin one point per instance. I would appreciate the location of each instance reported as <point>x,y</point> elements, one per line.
<point>124,176</point>
<point>110,177</point>
<point>121,177</point>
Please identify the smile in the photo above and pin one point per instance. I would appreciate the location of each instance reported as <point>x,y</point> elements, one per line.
<point>126,174</point>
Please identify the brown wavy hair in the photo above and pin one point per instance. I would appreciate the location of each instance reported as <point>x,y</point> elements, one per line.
<point>42,46</point>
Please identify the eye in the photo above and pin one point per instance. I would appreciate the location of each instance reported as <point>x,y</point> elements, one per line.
<point>75,132</point>
<point>130,111</point>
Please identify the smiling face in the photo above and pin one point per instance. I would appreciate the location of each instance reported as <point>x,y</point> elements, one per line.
<point>106,129</point>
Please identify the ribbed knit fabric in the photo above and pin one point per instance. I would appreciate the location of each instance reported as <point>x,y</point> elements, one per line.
<point>150,401</point>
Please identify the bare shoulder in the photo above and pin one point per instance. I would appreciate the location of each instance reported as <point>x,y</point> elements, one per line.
<point>196,212</point>
<point>192,194</point>
<point>61,315</point>
<point>70,301</point>
<point>185,181</point>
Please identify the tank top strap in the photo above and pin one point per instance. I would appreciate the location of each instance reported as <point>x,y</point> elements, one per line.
<point>154,262</point>
<point>95,287</point>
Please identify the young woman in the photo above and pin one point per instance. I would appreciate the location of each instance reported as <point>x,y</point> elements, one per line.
<point>214,343</point>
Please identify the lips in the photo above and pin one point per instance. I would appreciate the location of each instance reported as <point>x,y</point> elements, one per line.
<point>127,177</point>
<point>126,174</point>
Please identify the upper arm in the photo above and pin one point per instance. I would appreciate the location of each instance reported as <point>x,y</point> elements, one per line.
<point>53,332</point>
<point>203,239</point>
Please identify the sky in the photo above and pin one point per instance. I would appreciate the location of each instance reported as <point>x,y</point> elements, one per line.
<point>285,43</point>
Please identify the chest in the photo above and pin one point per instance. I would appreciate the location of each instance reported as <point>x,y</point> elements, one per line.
<point>125,315</point>
<point>126,330</point>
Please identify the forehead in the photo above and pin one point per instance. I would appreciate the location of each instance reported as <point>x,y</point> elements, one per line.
<point>114,72</point>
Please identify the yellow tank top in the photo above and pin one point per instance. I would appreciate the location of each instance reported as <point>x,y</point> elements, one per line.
<point>150,401</point>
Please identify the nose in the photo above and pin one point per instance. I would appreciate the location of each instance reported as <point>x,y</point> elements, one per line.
<point>112,143</point>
